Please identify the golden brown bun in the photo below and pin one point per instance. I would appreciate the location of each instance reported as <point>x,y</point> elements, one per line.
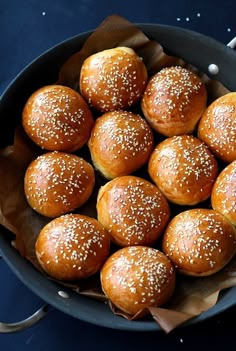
<point>133,211</point>
<point>199,242</point>
<point>58,118</point>
<point>217,127</point>
<point>136,277</point>
<point>174,100</point>
<point>184,169</point>
<point>223,196</point>
<point>113,79</point>
<point>57,182</point>
<point>120,143</point>
<point>72,247</point>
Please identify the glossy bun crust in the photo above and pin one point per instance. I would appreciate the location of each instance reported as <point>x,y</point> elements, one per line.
<point>223,196</point>
<point>133,211</point>
<point>217,127</point>
<point>174,101</point>
<point>113,79</point>
<point>56,183</point>
<point>120,143</point>
<point>58,118</point>
<point>184,169</point>
<point>72,247</point>
<point>137,277</point>
<point>199,242</point>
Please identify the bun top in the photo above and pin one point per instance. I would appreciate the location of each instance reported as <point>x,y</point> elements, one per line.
<point>113,79</point>
<point>133,211</point>
<point>217,127</point>
<point>72,247</point>
<point>223,196</point>
<point>57,182</point>
<point>120,143</point>
<point>184,169</point>
<point>137,277</point>
<point>57,118</point>
<point>199,242</point>
<point>174,100</point>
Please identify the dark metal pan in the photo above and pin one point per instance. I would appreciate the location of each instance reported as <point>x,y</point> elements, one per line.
<point>197,49</point>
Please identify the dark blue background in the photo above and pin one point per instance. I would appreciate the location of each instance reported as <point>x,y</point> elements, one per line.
<point>27,29</point>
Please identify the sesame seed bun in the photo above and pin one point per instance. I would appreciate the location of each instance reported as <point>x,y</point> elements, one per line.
<point>217,127</point>
<point>113,79</point>
<point>137,277</point>
<point>133,211</point>
<point>72,247</point>
<point>223,196</point>
<point>120,143</point>
<point>174,100</point>
<point>184,169</point>
<point>199,242</point>
<point>57,182</point>
<point>58,118</point>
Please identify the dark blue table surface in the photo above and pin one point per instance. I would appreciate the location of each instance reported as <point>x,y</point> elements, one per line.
<point>27,29</point>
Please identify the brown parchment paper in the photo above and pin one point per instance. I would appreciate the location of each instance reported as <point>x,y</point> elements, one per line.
<point>192,295</point>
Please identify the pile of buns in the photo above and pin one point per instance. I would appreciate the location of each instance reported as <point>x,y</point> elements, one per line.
<point>168,203</point>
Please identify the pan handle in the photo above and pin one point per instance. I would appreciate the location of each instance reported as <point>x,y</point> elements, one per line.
<point>232,43</point>
<point>25,323</point>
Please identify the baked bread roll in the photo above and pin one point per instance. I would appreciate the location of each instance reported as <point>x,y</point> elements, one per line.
<point>137,277</point>
<point>72,247</point>
<point>57,182</point>
<point>113,79</point>
<point>217,127</point>
<point>184,169</point>
<point>120,143</point>
<point>58,118</point>
<point>132,210</point>
<point>199,242</point>
<point>174,100</point>
<point>223,196</point>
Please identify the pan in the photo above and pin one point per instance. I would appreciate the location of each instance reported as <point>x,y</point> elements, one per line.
<point>209,56</point>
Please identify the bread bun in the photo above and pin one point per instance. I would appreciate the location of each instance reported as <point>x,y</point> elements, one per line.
<point>120,143</point>
<point>184,169</point>
<point>217,127</point>
<point>137,277</point>
<point>174,100</point>
<point>57,182</point>
<point>72,247</point>
<point>223,196</point>
<point>133,211</point>
<point>113,79</point>
<point>58,118</point>
<point>199,242</point>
